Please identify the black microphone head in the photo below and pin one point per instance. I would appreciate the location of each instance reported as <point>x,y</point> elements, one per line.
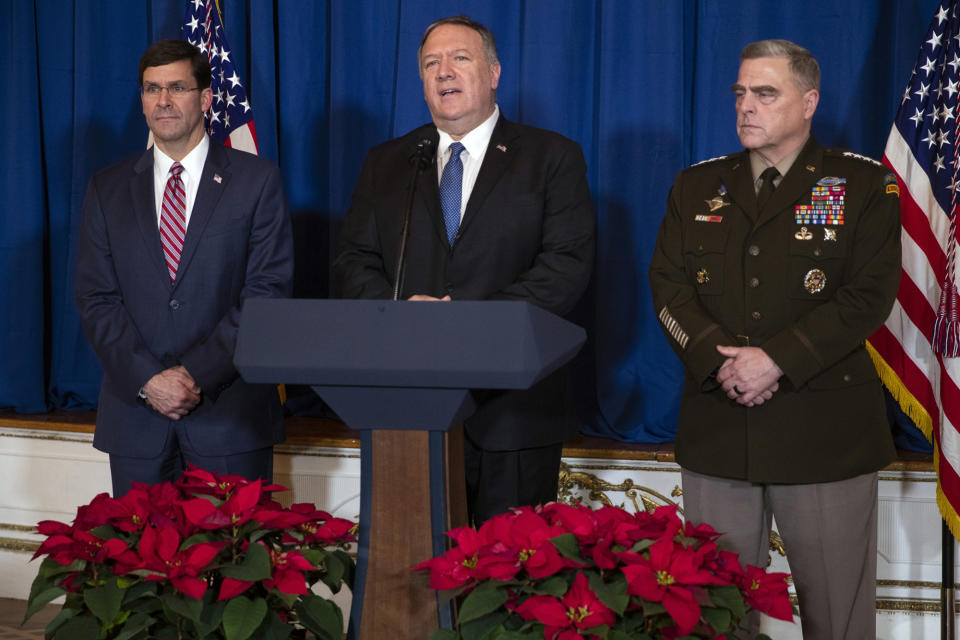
<point>425,150</point>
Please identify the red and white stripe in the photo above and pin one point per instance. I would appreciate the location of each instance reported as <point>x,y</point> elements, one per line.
<point>926,384</point>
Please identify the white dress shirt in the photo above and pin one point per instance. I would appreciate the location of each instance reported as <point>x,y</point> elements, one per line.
<point>192,170</point>
<point>475,147</point>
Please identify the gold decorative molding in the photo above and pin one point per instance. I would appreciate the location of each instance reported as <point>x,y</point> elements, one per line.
<point>641,497</point>
<point>19,545</point>
<point>25,528</point>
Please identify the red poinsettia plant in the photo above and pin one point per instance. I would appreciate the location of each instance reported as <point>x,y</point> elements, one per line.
<point>562,572</point>
<point>208,556</point>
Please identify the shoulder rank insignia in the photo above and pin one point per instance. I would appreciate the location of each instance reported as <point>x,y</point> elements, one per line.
<point>697,164</point>
<point>851,154</point>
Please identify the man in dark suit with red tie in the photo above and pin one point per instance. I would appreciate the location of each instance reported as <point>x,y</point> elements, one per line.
<point>172,241</point>
<point>503,213</point>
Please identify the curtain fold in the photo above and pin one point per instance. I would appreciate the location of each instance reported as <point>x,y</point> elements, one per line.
<point>642,85</point>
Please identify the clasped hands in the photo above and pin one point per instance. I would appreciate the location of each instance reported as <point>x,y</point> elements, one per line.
<point>172,392</point>
<point>748,375</point>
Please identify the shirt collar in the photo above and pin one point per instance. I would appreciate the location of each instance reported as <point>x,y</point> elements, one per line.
<point>758,164</point>
<point>475,141</point>
<point>192,162</point>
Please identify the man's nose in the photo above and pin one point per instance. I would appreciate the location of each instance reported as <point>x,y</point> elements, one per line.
<point>444,69</point>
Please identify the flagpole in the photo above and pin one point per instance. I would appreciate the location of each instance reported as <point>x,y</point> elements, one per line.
<point>947,596</point>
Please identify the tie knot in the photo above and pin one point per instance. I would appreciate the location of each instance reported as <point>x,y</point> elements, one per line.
<point>769,174</point>
<point>176,169</point>
<point>455,150</point>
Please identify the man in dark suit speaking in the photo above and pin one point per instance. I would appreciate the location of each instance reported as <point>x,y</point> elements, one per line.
<point>172,241</point>
<point>502,213</point>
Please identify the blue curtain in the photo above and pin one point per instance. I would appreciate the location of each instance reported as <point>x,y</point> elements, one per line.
<point>642,85</point>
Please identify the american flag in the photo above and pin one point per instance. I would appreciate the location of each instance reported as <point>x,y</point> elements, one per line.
<point>916,349</point>
<point>230,119</point>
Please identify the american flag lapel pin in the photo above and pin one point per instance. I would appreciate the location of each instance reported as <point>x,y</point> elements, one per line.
<point>217,178</point>
<point>502,147</point>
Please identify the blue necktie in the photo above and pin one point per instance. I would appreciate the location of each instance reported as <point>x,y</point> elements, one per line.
<point>451,187</point>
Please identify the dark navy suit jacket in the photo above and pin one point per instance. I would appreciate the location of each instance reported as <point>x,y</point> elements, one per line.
<point>527,234</point>
<point>238,245</point>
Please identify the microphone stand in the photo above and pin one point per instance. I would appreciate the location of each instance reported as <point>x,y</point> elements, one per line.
<point>422,158</point>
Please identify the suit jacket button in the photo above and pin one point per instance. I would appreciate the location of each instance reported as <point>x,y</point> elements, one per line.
<point>175,304</point>
<point>756,315</point>
<point>754,250</point>
<point>754,282</point>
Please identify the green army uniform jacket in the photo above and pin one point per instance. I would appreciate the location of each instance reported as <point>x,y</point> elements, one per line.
<point>807,278</point>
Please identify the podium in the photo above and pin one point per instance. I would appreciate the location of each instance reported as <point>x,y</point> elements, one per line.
<point>402,374</point>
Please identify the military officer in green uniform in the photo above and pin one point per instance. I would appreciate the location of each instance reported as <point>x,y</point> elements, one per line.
<point>772,267</point>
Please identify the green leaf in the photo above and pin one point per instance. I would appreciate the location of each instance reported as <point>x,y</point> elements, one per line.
<point>620,635</point>
<point>519,635</point>
<point>189,608</point>
<point>349,568</point>
<point>613,594</point>
<point>485,627</point>
<point>106,532</point>
<point>273,628</point>
<point>40,600</point>
<point>50,567</point>
<point>554,586</point>
<point>242,616</point>
<point>602,631</point>
<point>83,627</point>
<point>321,616</point>
<point>568,547</point>
<point>642,545</point>
<point>335,571</point>
<point>728,596</point>
<point>445,634</point>
<point>485,598</point>
<point>315,556</point>
<point>139,589</point>
<point>52,626</point>
<point>210,617</point>
<point>717,617</point>
<point>255,565</point>
<point>104,601</point>
<point>134,625</point>
<point>652,608</point>
<point>199,538</point>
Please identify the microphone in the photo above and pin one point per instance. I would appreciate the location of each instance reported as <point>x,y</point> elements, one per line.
<point>424,153</point>
<point>421,158</point>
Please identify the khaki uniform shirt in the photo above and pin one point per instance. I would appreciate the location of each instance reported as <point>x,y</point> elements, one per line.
<point>808,278</point>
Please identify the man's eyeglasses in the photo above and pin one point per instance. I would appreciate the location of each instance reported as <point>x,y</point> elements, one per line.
<point>173,90</point>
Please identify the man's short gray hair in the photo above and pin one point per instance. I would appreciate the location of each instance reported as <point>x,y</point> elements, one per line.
<point>803,66</point>
<point>489,42</point>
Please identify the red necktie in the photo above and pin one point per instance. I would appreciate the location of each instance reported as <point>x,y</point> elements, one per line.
<point>173,219</point>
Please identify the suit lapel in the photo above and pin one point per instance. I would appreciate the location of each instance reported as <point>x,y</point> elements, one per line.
<point>799,180</point>
<point>501,150</point>
<point>213,183</point>
<point>145,211</point>
<point>738,181</point>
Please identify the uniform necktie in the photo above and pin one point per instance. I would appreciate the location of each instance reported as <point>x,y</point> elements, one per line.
<point>451,188</point>
<point>766,186</point>
<point>173,219</point>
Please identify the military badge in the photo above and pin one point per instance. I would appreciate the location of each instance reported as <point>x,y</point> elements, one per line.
<point>703,276</point>
<point>705,218</point>
<point>814,281</point>
<point>829,235</point>
<point>717,201</point>
<point>891,185</point>
<point>803,234</point>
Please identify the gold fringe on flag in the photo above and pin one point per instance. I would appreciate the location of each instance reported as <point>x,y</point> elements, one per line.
<point>916,412</point>
<point>910,405</point>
